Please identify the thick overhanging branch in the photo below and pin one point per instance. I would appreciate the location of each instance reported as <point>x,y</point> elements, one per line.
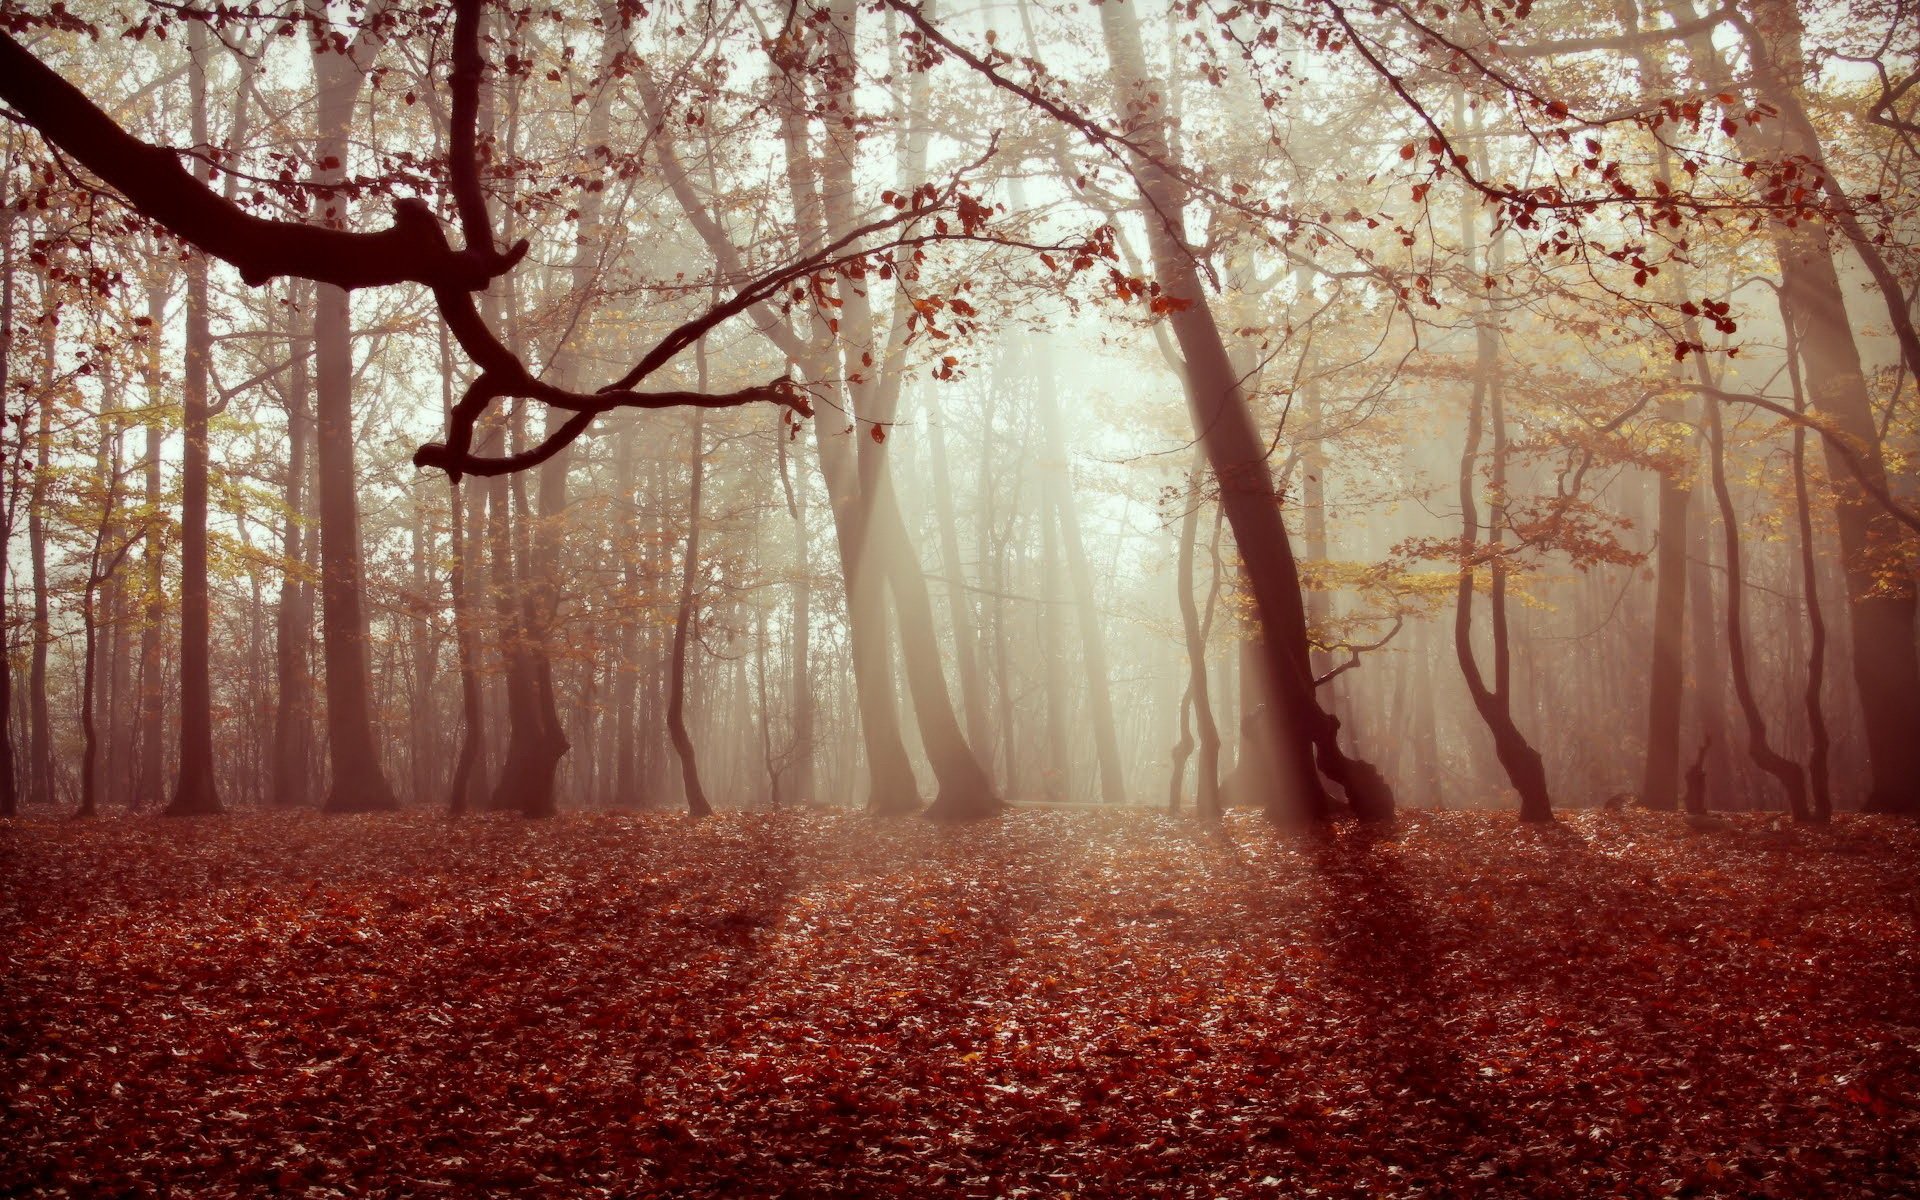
<point>414,249</point>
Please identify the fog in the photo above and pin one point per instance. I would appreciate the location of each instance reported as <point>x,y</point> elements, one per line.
<point>1302,409</point>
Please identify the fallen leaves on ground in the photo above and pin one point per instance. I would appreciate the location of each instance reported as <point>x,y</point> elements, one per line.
<point>1055,1003</point>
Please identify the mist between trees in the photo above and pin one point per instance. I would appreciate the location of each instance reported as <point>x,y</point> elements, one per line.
<point>1318,406</point>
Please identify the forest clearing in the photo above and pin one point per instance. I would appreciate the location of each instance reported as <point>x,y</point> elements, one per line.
<point>1087,1004</point>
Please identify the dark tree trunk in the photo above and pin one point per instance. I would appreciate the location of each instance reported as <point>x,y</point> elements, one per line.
<point>1783,769</point>
<point>1237,455</point>
<point>195,792</point>
<point>358,783</point>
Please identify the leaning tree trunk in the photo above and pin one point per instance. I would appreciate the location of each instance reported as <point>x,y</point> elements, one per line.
<point>1237,454</point>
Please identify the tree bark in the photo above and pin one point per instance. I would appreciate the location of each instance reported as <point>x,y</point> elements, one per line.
<point>195,790</point>
<point>358,783</point>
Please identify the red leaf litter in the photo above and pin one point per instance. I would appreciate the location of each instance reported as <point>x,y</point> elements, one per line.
<point>1052,1004</point>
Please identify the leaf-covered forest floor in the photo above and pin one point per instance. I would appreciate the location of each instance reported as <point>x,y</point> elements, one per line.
<point>1048,1004</point>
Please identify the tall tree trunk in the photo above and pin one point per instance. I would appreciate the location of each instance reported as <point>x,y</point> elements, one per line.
<point>358,783</point>
<point>966,791</point>
<point>1051,643</point>
<point>1207,784</point>
<point>462,566</point>
<point>1709,688</point>
<point>39,789</point>
<point>1660,782</point>
<point>424,752</point>
<point>195,791</point>
<point>153,689</point>
<point>538,744</point>
<point>9,791</point>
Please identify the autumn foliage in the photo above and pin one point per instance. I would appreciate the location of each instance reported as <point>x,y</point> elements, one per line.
<point>1054,1004</point>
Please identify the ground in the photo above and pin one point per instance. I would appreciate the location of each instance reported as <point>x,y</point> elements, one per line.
<point>1047,1004</point>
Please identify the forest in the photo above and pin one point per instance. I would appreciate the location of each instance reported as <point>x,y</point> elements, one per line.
<point>1036,597</point>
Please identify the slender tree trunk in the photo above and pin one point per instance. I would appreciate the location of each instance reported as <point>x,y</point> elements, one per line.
<point>1820,742</point>
<point>1709,695</point>
<point>1660,783</point>
<point>697,805</point>
<point>800,769</point>
<point>424,752</point>
<point>292,785</point>
<point>1051,644</point>
<point>1783,769</point>
<point>39,788</point>
<point>9,791</point>
<point>153,691</point>
<point>1207,785</point>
